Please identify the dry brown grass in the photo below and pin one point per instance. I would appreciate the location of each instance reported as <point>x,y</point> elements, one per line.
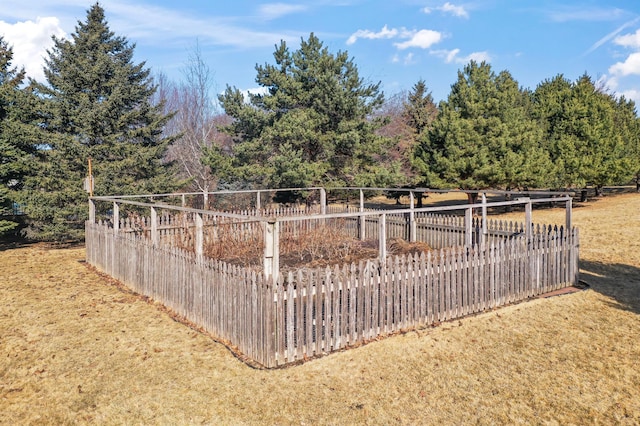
<point>75,349</point>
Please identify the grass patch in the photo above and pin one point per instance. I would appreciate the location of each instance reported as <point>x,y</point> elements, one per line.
<point>77,349</point>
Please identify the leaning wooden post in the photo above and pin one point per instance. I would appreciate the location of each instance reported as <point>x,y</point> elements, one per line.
<point>412,218</point>
<point>199,235</point>
<point>362,219</point>
<point>154,227</point>
<point>116,217</point>
<point>258,202</point>
<point>271,249</point>
<point>382,238</point>
<point>92,211</point>
<point>468,227</point>
<point>183,201</point>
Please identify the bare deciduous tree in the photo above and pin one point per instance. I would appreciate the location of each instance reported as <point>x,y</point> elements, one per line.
<point>197,118</point>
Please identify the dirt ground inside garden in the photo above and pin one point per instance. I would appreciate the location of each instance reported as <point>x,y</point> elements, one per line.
<point>76,348</point>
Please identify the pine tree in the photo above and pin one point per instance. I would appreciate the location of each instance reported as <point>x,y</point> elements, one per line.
<point>96,105</point>
<point>585,142</point>
<point>18,134</point>
<point>315,115</point>
<point>484,136</point>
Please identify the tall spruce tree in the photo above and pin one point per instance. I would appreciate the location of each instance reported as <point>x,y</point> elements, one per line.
<point>96,105</point>
<point>18,134</point>
<point>312,126</point>
<point>484,135</point>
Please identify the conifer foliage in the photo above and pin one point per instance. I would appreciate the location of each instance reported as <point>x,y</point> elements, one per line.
<point>312,125</point>
<point>18,135</point>
<point>96,104</point>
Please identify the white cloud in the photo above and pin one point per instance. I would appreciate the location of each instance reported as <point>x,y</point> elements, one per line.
<point>629,40</point>
<point>451,56</point>
<point>422,39</point>
<point>630,66</point>
<point>458,11</point>
<point>632,94</point>
<point>271,11</point>
<point>408,59</point>
<point>624,39</point>
<point>454,10</point>
<point>565,13</point>
<point>385,32</point>
<point>30,41</point>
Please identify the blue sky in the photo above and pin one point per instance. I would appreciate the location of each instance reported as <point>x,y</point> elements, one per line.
<point>394,42</point>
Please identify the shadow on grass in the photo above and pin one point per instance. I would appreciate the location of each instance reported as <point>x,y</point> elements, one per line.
<point>618,281</point>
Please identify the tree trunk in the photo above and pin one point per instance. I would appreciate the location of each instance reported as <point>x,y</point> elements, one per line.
<point>583,196</point>
<point>472,197</point>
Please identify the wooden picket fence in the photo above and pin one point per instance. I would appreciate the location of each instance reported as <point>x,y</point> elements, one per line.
<point>313,312</point>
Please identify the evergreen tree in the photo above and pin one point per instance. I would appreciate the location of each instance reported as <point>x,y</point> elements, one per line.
<point>18,134</point>
<point>96,105</point>
<point>584,141</point>
<point>312,126</point>
<point>484,136</point>
<point>420,110</point>
<point>628,124</point>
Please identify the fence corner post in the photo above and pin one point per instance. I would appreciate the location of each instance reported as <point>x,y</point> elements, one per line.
<point>271,259</point>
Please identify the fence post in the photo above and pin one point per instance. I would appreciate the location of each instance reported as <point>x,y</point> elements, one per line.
<point>258,201</point>
<point>568,213</point>
<point>199,235</point>
<point>92,211</point>
<point>382,238</point>
<point>485,231</point>
<point>183,201</point>
<point>412,218</point>
<point>116,217</point>
<point>468,227</point>
<point>527,219</point>
<point>271,249</point>
<point>154,227</point>
<point>362,220</point>
<point>323,201</point>
<point>205,200</point>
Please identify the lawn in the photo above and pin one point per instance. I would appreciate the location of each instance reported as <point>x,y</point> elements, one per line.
<point>76,348</point>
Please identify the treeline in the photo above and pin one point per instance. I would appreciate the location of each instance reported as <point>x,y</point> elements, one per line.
<point>316,122</point>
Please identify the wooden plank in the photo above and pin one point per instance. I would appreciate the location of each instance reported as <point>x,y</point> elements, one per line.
<point>300,301</point>
<point>290,318</point>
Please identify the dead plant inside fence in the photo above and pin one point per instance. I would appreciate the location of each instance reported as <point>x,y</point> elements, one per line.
<point>302,244</point>
<point>323,245</point>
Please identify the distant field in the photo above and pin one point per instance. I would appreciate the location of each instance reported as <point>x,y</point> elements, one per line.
<point>76,349</point>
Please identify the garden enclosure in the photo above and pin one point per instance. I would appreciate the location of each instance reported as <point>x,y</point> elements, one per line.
<point>280,284</point>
